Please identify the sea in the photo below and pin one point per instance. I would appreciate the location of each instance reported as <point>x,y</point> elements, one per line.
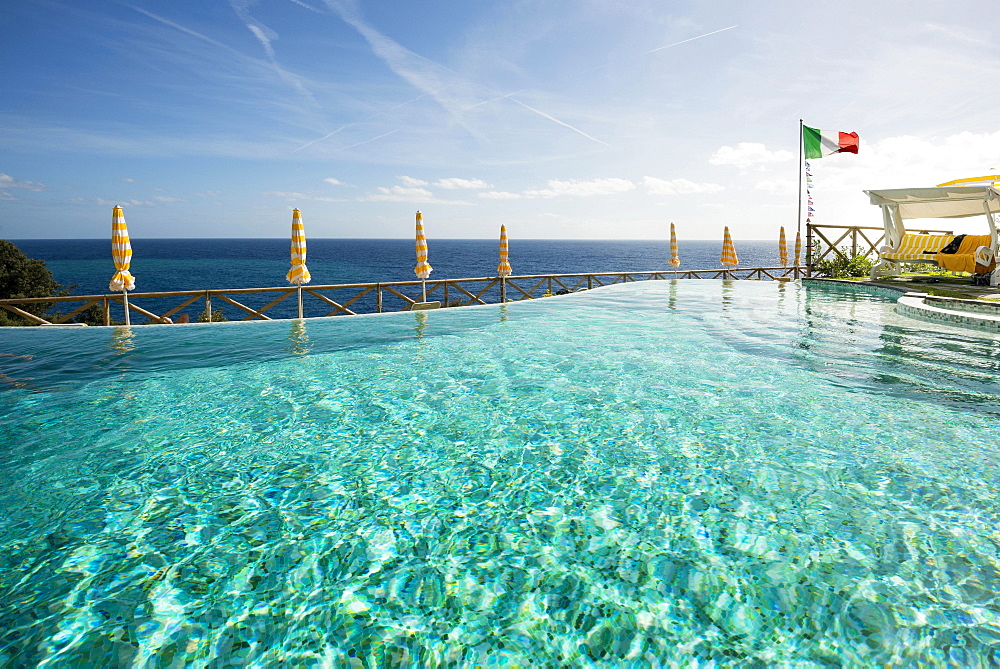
<point>84,266</point>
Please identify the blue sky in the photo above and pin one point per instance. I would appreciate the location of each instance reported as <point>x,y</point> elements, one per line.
<point>585,119</point>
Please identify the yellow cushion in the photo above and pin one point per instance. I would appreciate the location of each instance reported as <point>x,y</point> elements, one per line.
<point>912,247</point>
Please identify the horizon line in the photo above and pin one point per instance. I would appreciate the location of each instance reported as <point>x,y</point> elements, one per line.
<point>385,239</point>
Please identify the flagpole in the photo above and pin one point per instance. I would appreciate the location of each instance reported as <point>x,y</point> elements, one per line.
<point>798,227</point>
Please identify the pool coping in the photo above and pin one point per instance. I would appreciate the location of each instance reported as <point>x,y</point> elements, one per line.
<point>960,312</point>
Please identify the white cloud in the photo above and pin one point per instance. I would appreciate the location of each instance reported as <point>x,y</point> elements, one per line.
<point>124,203</point>
<point>909,162</point>
<point>500,195</point>
<point>749,154</point>
<point>455,183</point>
<point>167,198</point>
<point>277,193</point>
<point>678,186</point>
<point>128,180</point>
<point>334,182</point>
<point>401,194</point>
<point>4,195</point>
<point>404,194</point>
<point>7,181</point>
<point>776,186</point>
<point>611,186</point>
<point>411,182</point>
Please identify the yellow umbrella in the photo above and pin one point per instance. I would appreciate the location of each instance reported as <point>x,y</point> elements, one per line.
<point>988,180</point>
<point>423,268</point>
<point>121,252</point>
<point>675,260</point>
<point>299,273</point>
<point>798,249</point>
<point>782,248</point>
<point>503,269</point>
<point>729,258</point>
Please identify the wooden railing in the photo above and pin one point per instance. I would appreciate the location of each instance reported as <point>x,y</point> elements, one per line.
<point>826,241</point>
<point>353,298</point>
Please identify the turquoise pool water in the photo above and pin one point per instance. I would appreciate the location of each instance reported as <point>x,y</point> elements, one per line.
<point>695,473</point>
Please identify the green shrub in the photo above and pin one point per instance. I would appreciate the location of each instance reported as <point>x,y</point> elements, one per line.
<point>216,317</point>
<point>923,268</point>
<point>843,265</point>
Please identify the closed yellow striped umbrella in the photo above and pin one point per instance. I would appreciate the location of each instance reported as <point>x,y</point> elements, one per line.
<point>798,249</point>
<point>121,253</point>
<point>675,259</point>
<point>503,269</point>
<point>728,250</point>
<point>423,268</point>
<point>782,248</point>
<point>299,273</point>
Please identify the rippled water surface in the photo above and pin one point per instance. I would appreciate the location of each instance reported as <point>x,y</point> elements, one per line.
<point>695,473</point>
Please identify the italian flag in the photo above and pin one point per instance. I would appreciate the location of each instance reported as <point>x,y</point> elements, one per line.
<point>821,143</point>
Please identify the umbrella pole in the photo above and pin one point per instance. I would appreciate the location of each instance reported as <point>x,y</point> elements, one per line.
<point>503,289</point>
<point>423,285</point>
<point>125,296</point>
<point>300,301</point>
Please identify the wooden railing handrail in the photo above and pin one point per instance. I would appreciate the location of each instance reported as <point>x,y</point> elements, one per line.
<point>373,284</point>
<point>819,246</point>
<point>394,289</point>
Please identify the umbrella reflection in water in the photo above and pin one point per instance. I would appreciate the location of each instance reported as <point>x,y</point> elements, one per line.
<point>675,259</point>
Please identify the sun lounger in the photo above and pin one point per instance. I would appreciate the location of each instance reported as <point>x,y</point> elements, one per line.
<point>975,254</point>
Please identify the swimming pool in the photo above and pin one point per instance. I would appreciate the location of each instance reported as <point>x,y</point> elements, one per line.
<point>662,472</point>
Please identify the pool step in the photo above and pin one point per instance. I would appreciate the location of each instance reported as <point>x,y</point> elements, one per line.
<point>964,313</point>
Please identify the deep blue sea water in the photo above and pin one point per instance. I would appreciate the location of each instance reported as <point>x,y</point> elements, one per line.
<point>161,265</point>
<point>198,264</point>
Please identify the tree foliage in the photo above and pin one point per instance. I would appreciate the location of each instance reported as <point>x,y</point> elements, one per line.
<point>217,316</point>
<point>23,277</point>
<point>843,265</point>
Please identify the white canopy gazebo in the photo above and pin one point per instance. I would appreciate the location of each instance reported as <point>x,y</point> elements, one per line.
<point>901,204</point>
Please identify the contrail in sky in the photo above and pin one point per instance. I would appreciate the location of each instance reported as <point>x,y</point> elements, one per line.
<point>510,96</point>
<point>690,39</point>
<point>555,120</point>
<point>385,134</point>
<point>666,46</point>
<point>435,80</point>
<point>326,136</point>
<point>348,125</point>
